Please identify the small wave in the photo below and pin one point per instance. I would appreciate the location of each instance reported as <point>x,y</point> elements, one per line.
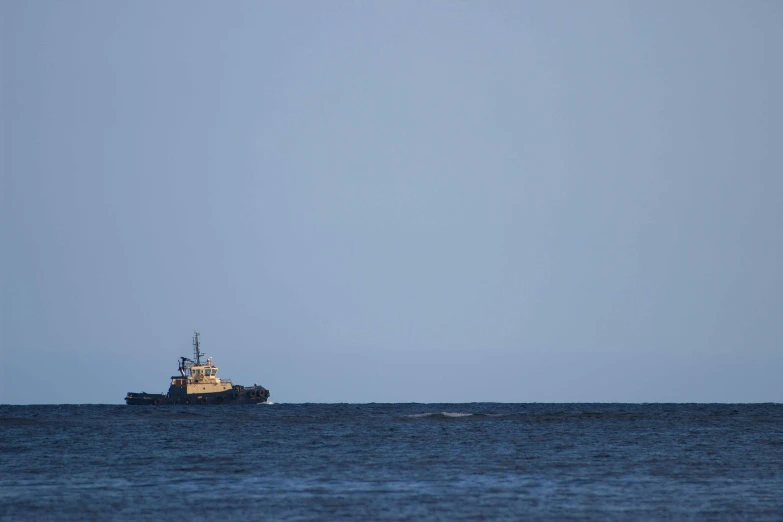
<point>441,415</point>
<point>180,415</point>
<point>18,421</point>
<point>450,415</point>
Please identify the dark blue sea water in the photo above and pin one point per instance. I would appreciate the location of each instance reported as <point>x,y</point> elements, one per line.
<point>392,461</point>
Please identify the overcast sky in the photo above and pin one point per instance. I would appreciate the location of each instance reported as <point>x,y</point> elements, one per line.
<point>393,201</point>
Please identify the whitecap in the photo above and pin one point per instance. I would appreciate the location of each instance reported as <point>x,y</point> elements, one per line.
<point>449,414</point>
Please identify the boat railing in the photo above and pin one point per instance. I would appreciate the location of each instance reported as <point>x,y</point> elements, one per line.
<point>222,381</point>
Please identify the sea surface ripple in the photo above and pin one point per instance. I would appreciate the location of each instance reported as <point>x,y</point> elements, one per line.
<point>392,462</point>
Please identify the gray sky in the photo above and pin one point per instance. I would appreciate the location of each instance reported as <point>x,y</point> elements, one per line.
<point>393,201</point>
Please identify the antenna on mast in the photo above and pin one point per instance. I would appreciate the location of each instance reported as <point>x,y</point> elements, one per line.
<point>196,346</point>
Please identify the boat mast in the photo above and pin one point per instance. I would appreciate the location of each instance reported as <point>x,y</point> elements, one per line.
<point>196,347</point>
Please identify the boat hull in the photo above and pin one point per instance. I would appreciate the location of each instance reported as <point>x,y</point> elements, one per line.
<point>254,395</point>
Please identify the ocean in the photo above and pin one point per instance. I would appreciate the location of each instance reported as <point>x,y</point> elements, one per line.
<point>370,462</point>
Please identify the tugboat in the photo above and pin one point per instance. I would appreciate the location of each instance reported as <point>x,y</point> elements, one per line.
<point>198,383</point>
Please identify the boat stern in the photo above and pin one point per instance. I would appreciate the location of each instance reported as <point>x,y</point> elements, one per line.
<point>152,399</point>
